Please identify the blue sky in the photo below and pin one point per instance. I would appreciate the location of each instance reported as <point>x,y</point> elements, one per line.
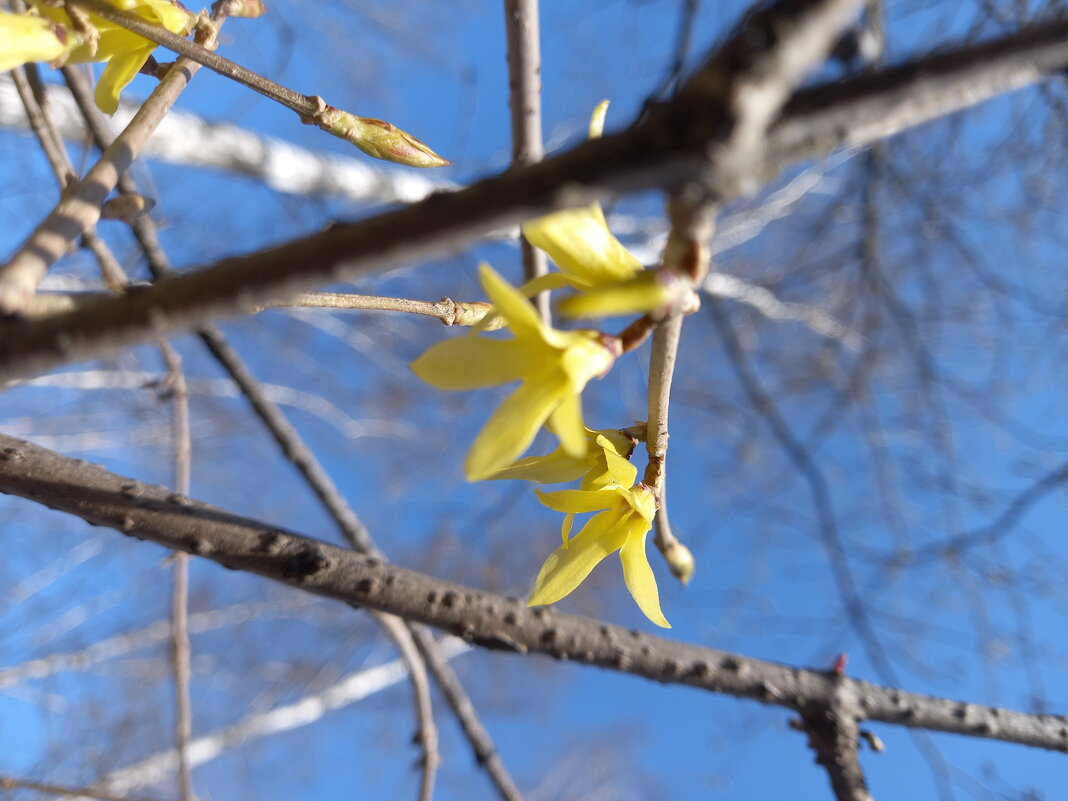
<point>987,627</point>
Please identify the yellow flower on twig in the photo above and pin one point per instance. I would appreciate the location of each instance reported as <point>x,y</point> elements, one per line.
<point>553,366</point>
<point>97,39</point>
<point>559,466</point>
<point>625,515</point>
<point>609,278</point>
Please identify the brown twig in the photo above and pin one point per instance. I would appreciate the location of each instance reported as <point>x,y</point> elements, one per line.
<point>11,783</point>
<point>56,154</point>
<point>155,513</point>
<point>378,138</point>
<point>522,33</point>
<point>181,650</point>
<point>427,731</point>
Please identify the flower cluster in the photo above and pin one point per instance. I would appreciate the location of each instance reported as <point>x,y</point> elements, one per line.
<point>49,33</point>
<point>552,368</point>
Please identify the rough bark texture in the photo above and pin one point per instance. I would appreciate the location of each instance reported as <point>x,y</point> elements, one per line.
<point>154,513</point>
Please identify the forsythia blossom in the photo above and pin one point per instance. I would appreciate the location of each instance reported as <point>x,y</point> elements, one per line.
<point>55,37</point>
<point>559,466</point>
<point>553,366</point>
<point>609,278</point>
<point>625,515</point>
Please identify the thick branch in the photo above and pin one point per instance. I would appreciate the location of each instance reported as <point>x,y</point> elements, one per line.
<point>491,621</point>
<point>834,737</point>
<point>653,153</point>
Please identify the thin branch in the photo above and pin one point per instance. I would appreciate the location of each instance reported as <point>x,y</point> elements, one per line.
<point>187,139</point>
<point>522,32</point>
<point>853,111</point>
<point>11,783</point>
<point>79,207</point>
<point>304,711</point>
<point>375,137</point>
<point>427,731</point>
<point>304,105</point>
<point>181,650</point>
<point>491,621</point>
<point>452,688</point>
<point>114,647</point>
<point>48,138</point>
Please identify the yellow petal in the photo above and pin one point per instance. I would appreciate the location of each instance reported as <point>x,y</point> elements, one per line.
<point>171,15</point>
<point>565,527</point>
<point>566,423</point>
<point>597,119</point>
<point>637,295</point>
<point>521,316</point>
<point>579,241</point>
<point>118,73</point>
<point>620,469</point>
<point>639,575</point>
<point>579,501</point>
<point>553,468</point>
<point>470,362</point>
<point>549,282</point>
<point>24,38</point>
<point>566,568</point>
<point>512,428</point>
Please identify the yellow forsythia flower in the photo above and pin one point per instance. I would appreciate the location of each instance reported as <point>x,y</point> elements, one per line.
<point>553,366</point>
<point>610,279</point>
<point>559,466</point>
<point>25,38</point>
<point>123,51</point>
<point>625,515</point>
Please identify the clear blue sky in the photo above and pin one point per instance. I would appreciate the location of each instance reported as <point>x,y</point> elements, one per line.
<point>763,586</point>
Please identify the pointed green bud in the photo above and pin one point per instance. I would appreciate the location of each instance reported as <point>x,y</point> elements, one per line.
<point>378,138</point>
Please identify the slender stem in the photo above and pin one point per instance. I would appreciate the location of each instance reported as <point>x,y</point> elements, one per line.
<point>522,32</point>
<point>427,732</point>
<point>181,650</point>
<point>51,143</point>
<point>302,104</point>
<point>11,783</point>
<point>448,311</point>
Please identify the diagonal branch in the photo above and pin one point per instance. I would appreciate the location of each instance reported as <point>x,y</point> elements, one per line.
<point>854,112</point>
<point>490,621</point>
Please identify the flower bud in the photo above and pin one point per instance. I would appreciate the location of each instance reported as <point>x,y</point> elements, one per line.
<point>126,207</point>
<point>378,138</point>
<point>680,561</point>
<point>246,9</point>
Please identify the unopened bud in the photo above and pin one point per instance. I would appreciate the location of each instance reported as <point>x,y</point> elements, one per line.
<point>378,138</point>
<point>126,207</point>
<point>474,313</point>
<point>680,561</point>
<point>246,9</point>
